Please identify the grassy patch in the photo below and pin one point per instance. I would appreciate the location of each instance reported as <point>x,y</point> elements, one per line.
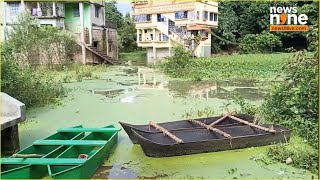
<point>231,67</point>
<point>78,72</point>
<point>302,155</point>
<point>138,57</point>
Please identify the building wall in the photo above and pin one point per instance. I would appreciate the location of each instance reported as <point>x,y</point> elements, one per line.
<point>99,21</point>
<point>73,23</point>
<point>112,43</point>
<point>161,53</point>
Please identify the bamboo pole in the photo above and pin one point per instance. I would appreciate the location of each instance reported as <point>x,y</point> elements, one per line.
<point>252,125</point>
<point>27,155</point>
<point>166,132</point>
<point>211,128</point>
<point>222,118</point>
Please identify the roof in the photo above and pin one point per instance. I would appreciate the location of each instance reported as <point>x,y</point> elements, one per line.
<point>198,27</point>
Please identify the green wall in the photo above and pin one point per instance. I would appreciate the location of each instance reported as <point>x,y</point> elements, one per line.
<point>70,20</point>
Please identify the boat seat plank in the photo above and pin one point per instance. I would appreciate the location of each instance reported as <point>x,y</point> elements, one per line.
<point>43,161</point>
<point>71,142</point>
<point>88,130</point>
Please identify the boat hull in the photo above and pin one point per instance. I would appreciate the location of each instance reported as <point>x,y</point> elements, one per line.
<point>155,146</point>
<point>182,124</point>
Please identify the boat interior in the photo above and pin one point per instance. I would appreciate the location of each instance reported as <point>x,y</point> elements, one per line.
<point>60,152</point>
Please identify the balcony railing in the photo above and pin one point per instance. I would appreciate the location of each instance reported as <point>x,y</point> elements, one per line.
<point>47,9</point>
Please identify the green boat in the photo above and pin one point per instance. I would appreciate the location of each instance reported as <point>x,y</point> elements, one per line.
<point>71,153</point>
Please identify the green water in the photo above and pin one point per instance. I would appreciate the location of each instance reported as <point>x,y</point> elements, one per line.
<point>117,97</point>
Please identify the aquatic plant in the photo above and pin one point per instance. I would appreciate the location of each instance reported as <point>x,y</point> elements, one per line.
<point>253,67</point>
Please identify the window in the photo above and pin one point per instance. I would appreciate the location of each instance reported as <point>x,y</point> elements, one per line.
<point>211,16</point>
<point>145,31</point>
<point>215,17</point>
<point>14,8</point>
<point>46,8</point>
<point>143,18</point>
<point>148,17</point>
<point>160,34</point>
<point>181,15</point>
<point>151,37</point>
<point>140,37</point>
<point>76,12</point>
<point>110,47</point>
<point>198,15</point>
<point>205,15</point>
<point>97,11</point>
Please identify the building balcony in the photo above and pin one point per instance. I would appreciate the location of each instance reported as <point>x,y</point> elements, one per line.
<point>44,10</point>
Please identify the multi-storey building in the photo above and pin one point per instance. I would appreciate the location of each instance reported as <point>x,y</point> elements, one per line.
<point>161,25</point>
<point>84,18</point>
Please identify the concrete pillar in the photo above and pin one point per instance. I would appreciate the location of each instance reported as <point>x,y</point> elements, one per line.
<point>54,9</point>
<point>143,35</point>
<point>138,32</point>
<point>170,51</point>
<point>154,34</point>
<point>154,54</point>
<point>4,20</point>
<point>83,48</point>
<point>10,140</point>
<point>22,6</point>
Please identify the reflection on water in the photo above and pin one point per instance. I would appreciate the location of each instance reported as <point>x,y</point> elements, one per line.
<point>216,89</point>
<point>111,93</point>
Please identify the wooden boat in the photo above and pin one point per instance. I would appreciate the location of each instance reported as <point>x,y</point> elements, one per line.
<point>202,140</point>
<point>69,153</point>
<point>183,124</point>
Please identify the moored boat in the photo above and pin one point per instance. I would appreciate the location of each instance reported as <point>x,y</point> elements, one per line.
<point>193,141</point>
<point>70,153</point>
<point>184,124</point>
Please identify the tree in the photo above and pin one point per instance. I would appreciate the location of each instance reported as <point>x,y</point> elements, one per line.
<point>127,35</point>
<point>113,15</point>
<point>236,20</point>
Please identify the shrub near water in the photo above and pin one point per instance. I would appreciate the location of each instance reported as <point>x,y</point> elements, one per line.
<point>294,102</point>
<point>32,87</point>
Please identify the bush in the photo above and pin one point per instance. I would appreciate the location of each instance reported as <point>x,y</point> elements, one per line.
<point>176,64</point>
<point>295,101</point>
<point>33,45</point>
<point>302,156</point>
<point>259,43</point>
<point>30,86</point>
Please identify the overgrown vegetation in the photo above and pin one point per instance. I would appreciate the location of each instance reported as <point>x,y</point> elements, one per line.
<point>23,56</point>
<point>33,45</point>
<point>32,87</point>
<point>259,43</point>
<point>242,22</point>
<point>294,104</point>
<point>234,67</point>
<point>78,72</point>
<point>302,155</point>
<point>138,57</point>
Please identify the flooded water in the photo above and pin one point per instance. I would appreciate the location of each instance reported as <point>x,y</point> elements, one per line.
<point>118,97</point>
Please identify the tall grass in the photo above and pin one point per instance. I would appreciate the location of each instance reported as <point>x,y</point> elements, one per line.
<point>138,57</point>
